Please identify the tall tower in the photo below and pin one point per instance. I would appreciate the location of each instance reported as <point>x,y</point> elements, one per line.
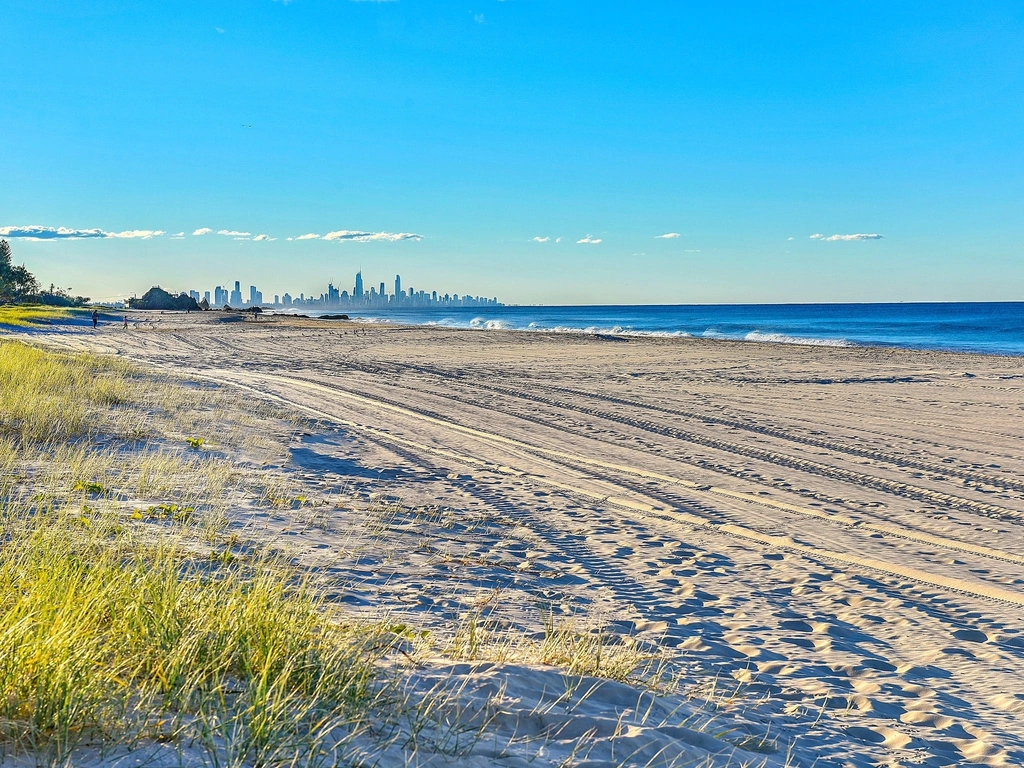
<point>358,292</point>
<point>398,286</point>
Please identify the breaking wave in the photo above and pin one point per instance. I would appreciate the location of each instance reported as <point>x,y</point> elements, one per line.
<point>781,338</point>
<point>490,325</point>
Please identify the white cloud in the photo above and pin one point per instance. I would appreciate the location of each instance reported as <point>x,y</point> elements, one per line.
<point>589,239</point>
<point>540,239</point>
<point>558,239</point>
<point>667,236</point>
<point>264,238</point>
<point>692,250</point>
<point>232,233</point>
<point>202,231</point>
<point>789,238</point>
<point>841,238</point>
<point>36,232</point>
<point>357,236</point>
<point>309,236</point>
<point>132,234</point>
<point>178,236</point>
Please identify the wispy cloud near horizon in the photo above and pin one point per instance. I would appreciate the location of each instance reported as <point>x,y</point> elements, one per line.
<point>358,236</point>
<point>845,238</point>
<point>540,240</point>
<point>264,238</point>
<point>233,233</point>
<point>589,239</point>
<point>202,231</point>
<point>667,236</point>
<point>36,232</point>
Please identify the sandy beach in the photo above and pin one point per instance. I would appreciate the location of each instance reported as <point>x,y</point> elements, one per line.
<point>832,537</point>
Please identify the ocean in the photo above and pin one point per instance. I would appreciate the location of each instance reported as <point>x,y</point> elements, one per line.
<point>993,328</point>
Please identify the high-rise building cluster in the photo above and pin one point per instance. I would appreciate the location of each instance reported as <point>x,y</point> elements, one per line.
<point>377,297</point>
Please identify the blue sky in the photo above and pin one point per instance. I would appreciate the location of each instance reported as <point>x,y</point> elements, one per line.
<point>478,126</point>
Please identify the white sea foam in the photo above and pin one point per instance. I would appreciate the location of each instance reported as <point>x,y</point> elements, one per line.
<point>485,324</point>
<point>781,338</point>
<point>371,320</point>
<point>490,325</point>
<point>615,330</point>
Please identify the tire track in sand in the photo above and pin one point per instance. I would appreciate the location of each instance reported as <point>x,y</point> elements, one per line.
<point>697,488</point>
<point>816,553</point>
<point>775,432</point>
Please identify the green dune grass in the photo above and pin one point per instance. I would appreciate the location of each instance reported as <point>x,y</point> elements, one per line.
<point>29,315</point>
<point>115,631</point>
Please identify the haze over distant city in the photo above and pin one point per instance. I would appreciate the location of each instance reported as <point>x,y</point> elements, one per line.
<point>539,152</point>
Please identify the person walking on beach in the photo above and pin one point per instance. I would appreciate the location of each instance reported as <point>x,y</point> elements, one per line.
<point>95,318</point>
<point>126,322</point>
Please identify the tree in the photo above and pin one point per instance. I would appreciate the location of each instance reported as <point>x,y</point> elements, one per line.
<point>16,283</point>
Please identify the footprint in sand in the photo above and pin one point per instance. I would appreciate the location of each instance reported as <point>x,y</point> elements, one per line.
<point>950,727</point>
<point>887,737</point>
<point>1008,702</point>
<point>971,636</point>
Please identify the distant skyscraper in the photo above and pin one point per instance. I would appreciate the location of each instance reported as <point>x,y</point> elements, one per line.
<point>358,292</point>
<point>398,286</point>
<point>252,294</point>
<point>206,296</point>
<point>383,291</point>
<point>236,295</point>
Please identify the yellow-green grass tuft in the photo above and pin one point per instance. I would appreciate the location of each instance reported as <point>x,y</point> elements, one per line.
<point>104,636</point>
<point>121,628</point>
<point>28,315</point>
<point>46,396</point>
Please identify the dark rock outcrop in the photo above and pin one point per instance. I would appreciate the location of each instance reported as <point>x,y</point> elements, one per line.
<point>157,298</point>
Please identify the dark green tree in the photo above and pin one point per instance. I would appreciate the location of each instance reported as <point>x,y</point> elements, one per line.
<point>16,283</point>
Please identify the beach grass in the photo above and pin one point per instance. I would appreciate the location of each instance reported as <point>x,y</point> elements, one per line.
<point>108,636</point>
<point>118,625</point>
<point>28,315</point>
<point>47,397</point>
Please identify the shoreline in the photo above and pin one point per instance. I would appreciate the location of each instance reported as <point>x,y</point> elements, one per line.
<point>481,323</point>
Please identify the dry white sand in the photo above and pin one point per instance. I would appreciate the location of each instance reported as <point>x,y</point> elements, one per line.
<point>839,530</point>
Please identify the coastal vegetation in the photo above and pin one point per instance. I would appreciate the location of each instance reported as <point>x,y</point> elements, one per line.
<point>18,285</point>
<point>121,625</point>
<point>29,315</point>
<point>16,282</point>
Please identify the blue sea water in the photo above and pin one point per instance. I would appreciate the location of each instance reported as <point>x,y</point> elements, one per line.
<point>993,328</point>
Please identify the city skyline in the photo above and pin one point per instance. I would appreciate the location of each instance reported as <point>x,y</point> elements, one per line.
<point>376,297</point>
